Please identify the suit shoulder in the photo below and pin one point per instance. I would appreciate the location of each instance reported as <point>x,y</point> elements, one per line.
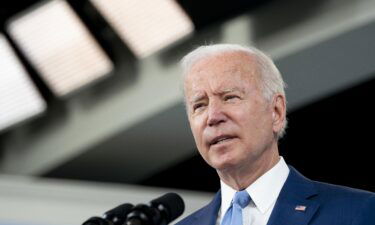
<point>352,204</point>
<point>344,204</point>
<point>338,191</point>
<point>205,215</point>
<point>355,205</point>
<point>190,218</point>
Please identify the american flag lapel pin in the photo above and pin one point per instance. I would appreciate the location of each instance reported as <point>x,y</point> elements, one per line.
<point>300,208</point>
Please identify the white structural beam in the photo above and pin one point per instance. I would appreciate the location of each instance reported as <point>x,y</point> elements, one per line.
<point>327,51</point>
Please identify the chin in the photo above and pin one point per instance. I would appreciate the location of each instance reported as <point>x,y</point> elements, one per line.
<point>224,158</point>
<point>223,164</point>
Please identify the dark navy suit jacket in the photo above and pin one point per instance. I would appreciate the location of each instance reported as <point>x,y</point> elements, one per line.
<point>326,204</point>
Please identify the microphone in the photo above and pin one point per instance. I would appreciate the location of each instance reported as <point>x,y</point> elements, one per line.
<point>118,215</point>
<point>115,216</point>
<point>160,211</point>
<point>95,220</point>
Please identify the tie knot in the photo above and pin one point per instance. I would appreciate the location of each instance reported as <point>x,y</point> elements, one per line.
<point>241,198</point>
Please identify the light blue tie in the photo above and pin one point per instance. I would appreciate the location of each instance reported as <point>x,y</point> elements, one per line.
<point>233,216</point>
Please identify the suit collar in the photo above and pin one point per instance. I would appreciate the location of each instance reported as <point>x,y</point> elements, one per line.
<point>208,214</point>
<point>295,204</point>
<point>297,191</point>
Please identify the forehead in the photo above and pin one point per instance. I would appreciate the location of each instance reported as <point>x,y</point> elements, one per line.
<point>223,71</point>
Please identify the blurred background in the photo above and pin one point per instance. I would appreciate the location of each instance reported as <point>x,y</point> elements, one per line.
<point>91,108</point>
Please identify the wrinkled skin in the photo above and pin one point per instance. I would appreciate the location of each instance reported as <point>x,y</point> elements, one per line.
<point>233,125</point>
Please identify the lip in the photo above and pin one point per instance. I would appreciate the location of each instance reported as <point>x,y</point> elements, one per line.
<point>220,139</point>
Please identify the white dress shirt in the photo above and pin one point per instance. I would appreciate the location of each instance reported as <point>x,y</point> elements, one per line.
<point>263,192</point>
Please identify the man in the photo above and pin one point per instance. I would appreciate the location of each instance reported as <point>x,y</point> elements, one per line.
<point>236,107</point>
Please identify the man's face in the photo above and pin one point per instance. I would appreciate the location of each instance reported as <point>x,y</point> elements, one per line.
<point>231,121</point>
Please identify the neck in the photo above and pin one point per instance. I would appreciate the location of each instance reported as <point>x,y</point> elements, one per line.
<point>242,177</point>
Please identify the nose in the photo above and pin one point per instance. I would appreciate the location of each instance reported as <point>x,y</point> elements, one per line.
<point>215,115</point>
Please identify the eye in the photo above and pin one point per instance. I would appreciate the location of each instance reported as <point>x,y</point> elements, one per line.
<point>230,97</point>
<point>198,106</point>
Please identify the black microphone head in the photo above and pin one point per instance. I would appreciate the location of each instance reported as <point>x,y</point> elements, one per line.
<point>97,221</point>
<point>171,204</point>
<point>118,214</point>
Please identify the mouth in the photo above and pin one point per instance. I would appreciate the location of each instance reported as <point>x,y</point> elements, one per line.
<point>220,139</point>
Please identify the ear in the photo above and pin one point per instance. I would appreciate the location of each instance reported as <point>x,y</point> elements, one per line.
<point>278,112</point>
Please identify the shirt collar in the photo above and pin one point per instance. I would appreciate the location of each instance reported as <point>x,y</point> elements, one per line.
<point>263,192</point>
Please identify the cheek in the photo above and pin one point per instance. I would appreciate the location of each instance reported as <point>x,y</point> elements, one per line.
<point>242,117</point>
<point>197,130</point>
<point>199,141</point>
<point>253,122</point>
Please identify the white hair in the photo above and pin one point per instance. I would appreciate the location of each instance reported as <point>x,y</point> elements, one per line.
<point>270,77</point>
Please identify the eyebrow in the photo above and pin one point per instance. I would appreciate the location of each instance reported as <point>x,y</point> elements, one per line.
<point>197,98</point>
<point>200,97</point>
<point>230,90</point>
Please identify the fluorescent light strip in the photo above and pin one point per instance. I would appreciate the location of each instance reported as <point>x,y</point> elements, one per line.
<point>60,47</point>
<point>19,98</point>
<point>146,25</point>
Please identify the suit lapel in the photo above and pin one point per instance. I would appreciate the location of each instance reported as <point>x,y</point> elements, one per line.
<point>295,204</point>
<point>208,215</point>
